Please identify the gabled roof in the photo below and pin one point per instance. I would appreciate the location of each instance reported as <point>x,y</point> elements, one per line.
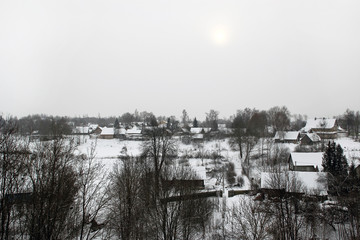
<point>313,137</point>
<point>307,159</point>
<point>92,126</point>
<point>306,182</point>
<point>107,131</point>
<point>316,123</point>
<point>292,135</point>
<point>199,129</point>
<point>133,131</point>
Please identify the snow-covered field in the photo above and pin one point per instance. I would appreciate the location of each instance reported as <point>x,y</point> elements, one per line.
<point>108,152</point>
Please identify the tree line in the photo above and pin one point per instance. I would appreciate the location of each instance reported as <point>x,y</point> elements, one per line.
<point>257,122</point>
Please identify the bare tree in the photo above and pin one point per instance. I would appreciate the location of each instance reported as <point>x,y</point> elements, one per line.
<point>212,118</point>
<point>53,181</point>
<point>185,118</point>
<point>13,152</point>
<point>286,221</point>
<point>138,212</point>
<point>248,220</point>
<point>91,200</point>
<point>279,118</point>
<point>159,148</point>
<point>127,208</point>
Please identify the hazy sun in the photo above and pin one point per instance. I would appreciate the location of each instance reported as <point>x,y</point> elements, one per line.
<point>220,35</point>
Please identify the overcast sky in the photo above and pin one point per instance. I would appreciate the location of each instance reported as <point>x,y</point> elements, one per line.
<point>72,57</point>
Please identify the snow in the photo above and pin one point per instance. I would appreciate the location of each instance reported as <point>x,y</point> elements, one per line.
<point>311,182</point>
<point>199,129</point>
<point>109,150</point>
<point>351,149</point>
<point>82,130</point>
<point>133,131</point>
<point>307,159</point>
<point>198,136</point>
<point>291,135</point>
<point>314,137</point>
<point>319,123</point>
<point>107,131</point>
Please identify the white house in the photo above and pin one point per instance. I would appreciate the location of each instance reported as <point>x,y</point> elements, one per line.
<point>312,183</point>
<point>107,133</point>
<point>306,161</point>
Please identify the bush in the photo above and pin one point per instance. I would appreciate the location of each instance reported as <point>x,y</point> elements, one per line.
<point>311,148</point>
<point>240,181</point>
<point>184,161</point>
<point>230,173</point>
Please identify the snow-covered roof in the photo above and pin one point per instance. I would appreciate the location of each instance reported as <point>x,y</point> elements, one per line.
<point>122,131</point>
<point>314,137</point>
<point>292,181</point>
<point>133,131</point>
<point>198,136</point>
<point>199,129</point>
<point>93,126</point>
<point>307,159</point>
<point>324,123</point>
<point>291,135</point>
<point>107,131</point>
<point>195,130</point>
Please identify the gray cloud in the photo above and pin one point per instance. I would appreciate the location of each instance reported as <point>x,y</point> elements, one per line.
<point>90,57</point>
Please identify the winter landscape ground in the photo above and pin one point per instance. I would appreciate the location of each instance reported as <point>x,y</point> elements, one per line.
<point>109,151</point>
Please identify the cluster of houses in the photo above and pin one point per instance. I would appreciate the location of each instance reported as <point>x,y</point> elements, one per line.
<point>305,168</point>
<point>314,131</point>
<point>94,130</point>
<point>136,130</point>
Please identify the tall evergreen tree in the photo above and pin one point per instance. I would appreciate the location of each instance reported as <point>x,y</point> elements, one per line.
<point>195,123</point>
<point>116,124</point>
<point>334,160</point>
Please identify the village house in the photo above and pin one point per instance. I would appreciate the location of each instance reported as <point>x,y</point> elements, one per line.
<point>305,161</point>
<point>107,133</point>
<point>326,128</point>
<point>310,139</point>
<point>287,137</point>
<point>198,130</point>
<point>309,183</point>
<point>133,133</point>
<point>95,131</point>
<point>81,130</point>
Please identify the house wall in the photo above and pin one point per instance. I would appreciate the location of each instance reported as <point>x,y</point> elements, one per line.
<point>306,141</point>
<point>305,169</point>
<point>106,136</point>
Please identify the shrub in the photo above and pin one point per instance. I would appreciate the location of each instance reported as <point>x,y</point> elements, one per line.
<point>230,173</point>
<point>240,181</point>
